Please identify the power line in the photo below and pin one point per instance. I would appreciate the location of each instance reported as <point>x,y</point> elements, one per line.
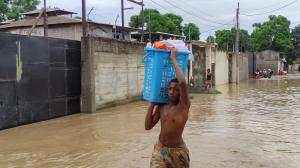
<point>164,8</point>
<point>231,23</point>
<point>193,14</point>
<point>265,7</point>
<point>191,7</point>
<point>214,27</point>
<point>271,10</point>
<point>209,30</point>
<point>171,12</point>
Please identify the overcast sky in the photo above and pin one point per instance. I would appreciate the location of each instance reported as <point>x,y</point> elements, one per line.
<point>208,15</point>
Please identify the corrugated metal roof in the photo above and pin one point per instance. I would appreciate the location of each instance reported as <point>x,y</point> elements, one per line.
<point>56,11</point>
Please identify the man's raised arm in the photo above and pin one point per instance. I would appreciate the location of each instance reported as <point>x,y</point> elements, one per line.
<point>184,98</point>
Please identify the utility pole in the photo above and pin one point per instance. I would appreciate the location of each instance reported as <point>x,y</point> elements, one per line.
<point>237,38</point>
<point>84,19</point>
<point>141,4</point>
<point>149,25</point>
<point>189,33</point>
<point>142,37</point>
<point>122,13</point>
<point>45,19</point>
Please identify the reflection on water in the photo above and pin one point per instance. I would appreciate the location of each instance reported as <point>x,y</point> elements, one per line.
<point>254,124</point>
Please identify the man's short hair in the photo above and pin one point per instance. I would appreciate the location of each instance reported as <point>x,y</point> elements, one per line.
<point>175,80</point>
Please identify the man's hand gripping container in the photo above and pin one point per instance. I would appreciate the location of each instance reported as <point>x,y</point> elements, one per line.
<point>159,70</point>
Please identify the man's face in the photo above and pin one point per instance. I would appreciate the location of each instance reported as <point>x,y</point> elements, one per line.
<point>173,92</point>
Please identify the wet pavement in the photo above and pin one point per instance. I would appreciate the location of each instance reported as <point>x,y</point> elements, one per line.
<point>254,124</point>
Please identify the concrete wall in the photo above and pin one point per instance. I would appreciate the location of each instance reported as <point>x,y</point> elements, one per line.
<point>233,68</point>
<point>97,31</point>
<point>268,60</point>
<point>199,65</point>
<point>68,31</point>
<point>243,67</point>
<point>294,68</point>
<point>222,70</point>
<point>39,31</point>
<point>209,57</point>
<point>71,32</point>
<point>113,72</point>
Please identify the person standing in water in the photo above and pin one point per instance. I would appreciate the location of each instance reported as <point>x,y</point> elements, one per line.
<point>170,149</point>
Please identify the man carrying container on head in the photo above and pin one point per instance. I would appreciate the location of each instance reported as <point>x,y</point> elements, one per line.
<point>170,151</point>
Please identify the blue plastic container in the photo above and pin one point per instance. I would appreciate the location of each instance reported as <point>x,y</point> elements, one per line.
<point>159,70</point>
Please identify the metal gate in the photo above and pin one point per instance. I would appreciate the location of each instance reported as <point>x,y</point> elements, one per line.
<point>251,64</point>
<point>40,78</point>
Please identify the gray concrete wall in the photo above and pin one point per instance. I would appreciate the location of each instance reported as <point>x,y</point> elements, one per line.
<point>114,71</point>
<point>222,68</point>
<point>268,60</point>
<point>199,65</point>
<point>243,67</point>
<point>70,32</point>
<point>97,31</point>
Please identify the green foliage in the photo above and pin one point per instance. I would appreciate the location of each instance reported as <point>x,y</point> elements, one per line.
<point>10,9</point>
<point>296,35</point>
<point>245,41</point>
<point>294,53</point>
<point>211,39</point>
<point>225,40</point>
<point>191,31</point>
<point>156,22</point>
<point>273,34</point>
<point>3,9</point>
<point>177,20</point>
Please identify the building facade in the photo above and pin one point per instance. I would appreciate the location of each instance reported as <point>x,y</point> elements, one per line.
<point>269,59</point>
<point>65,27</point>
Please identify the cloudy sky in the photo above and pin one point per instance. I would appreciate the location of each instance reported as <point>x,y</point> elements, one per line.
<point>208,15</point>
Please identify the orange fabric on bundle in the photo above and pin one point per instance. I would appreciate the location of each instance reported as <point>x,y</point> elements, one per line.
<point>161,45</point>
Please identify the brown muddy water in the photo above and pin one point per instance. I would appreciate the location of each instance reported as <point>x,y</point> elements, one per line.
<point>254,124</point>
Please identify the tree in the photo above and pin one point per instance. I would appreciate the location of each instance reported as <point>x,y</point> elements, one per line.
<point>177,20</point>
<point>296,35</point>
<point>211,39</point>
<point>294,53</point>
<point>155,22</point>
<point>11,9</point>
<point>273,34</point>
<point>21,6</point>
<point>244,40</point>
<point>3,9</point>
<point>225,40</point>
<point>191,31</point>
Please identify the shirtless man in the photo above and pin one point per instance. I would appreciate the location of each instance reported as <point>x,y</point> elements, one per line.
<point>170,151</point>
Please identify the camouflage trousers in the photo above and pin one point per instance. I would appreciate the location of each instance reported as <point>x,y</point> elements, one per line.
<point>164,157</point>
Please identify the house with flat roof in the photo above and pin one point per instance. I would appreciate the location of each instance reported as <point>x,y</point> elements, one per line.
<point>61,24</point>
<point>269,59</point>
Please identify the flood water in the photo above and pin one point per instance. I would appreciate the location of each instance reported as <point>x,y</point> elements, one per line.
<point>254,124</point>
